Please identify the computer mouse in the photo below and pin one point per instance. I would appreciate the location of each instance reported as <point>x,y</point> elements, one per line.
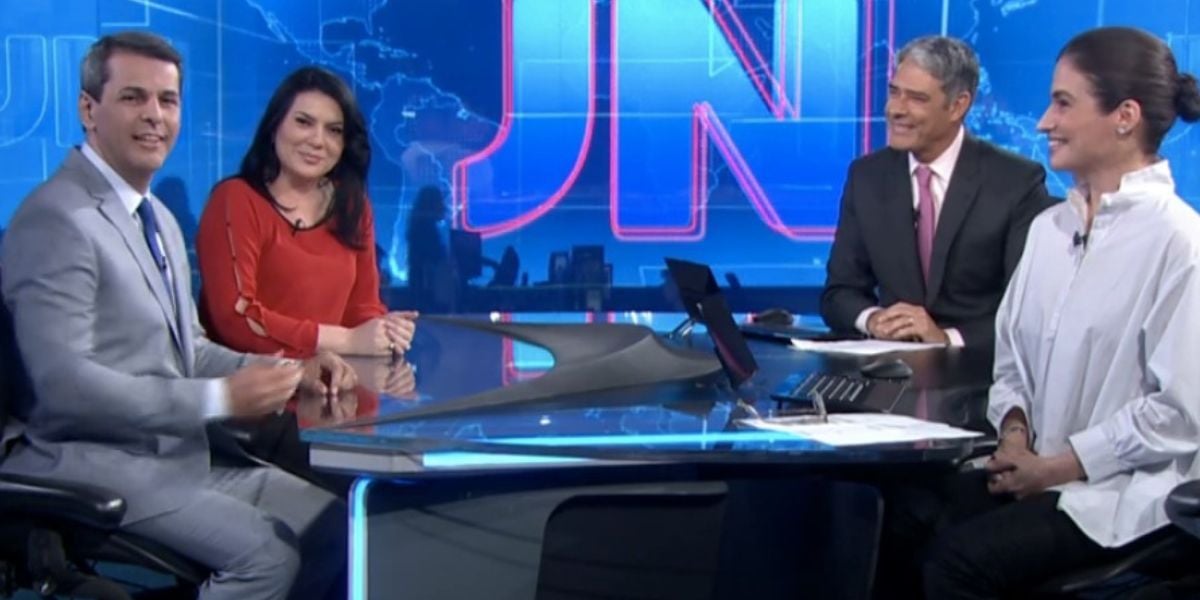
<point>773,316</point>
<point>887,368</point>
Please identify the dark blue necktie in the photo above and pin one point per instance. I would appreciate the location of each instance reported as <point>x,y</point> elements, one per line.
<point>150,230</point>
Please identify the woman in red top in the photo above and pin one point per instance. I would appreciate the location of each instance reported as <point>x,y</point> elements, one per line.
<point>287,246</point>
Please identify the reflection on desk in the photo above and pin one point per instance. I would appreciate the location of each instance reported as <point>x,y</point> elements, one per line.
<point>861,429</point>
<point>390,377</point>
<point>690,421</point>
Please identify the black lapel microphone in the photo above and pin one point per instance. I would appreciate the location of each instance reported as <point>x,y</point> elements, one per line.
<point>1079,239</point>
<point>299,223</point>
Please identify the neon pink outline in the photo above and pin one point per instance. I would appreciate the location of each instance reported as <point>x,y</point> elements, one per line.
<point>798,93</point>
<point>461,189</point>
<point>508,352</point>
<point>891,37</point>
<point>781,52</point>
<point>868,38</point>
<point>705,126</point>
<point>714,130</point>
<point>508,366</point>
<point>778,102</point>
<point>868,71</point>
<point>509,373</point>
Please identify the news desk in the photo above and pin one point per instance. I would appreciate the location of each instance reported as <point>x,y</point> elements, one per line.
<point>654,491</point>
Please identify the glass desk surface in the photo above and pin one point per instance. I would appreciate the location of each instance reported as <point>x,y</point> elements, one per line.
<point>689,421</point>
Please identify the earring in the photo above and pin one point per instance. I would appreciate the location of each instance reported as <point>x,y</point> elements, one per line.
<point>1122,131</point>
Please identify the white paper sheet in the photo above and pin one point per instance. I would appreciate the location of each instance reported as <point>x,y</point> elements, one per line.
<point>860,347</point>
<point>859,429</point>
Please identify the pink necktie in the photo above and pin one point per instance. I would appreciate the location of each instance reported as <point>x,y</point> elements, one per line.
<point>926,218</point>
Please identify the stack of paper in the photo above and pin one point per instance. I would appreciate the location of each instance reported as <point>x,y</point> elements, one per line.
<point>860,347</point>
<point>858,429</point>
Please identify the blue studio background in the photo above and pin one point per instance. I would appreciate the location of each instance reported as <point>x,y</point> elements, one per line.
<point>718,130</point>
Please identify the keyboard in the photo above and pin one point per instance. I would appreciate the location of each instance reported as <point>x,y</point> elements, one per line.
<point>841,390</point>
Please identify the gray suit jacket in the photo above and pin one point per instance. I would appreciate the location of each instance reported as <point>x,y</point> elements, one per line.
<point>118,374</point>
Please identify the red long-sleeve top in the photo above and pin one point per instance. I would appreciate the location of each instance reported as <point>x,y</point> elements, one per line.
<point>289,280</point>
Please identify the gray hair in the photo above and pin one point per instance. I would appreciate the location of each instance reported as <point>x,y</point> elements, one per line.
<point>949,60</point>
<point>93,73</point>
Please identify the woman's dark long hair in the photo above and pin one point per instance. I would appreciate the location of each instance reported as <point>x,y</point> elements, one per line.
<point>260,166</point>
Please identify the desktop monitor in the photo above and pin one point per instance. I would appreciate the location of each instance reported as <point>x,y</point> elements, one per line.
<point>704,303</point>
<point>467,249</point>
<point>587,265</point>
<point>694,282</point>
<point>558,267</point>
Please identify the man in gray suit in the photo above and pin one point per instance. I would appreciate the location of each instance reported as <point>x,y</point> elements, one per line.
<point>95,273</point>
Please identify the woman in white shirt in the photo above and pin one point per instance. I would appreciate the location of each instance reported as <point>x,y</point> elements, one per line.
<point>1097,389</point>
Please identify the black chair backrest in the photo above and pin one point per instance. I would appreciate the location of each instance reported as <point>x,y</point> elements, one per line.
<point>507,269</point>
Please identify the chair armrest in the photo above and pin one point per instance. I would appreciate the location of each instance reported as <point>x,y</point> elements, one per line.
<point>1183,507</point>
<point>1163,543</point>
<point>75,502</point>
<point>1185,499</point>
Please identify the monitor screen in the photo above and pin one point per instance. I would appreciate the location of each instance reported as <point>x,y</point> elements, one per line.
<point>694,282</point>
<point>704,303</point>
<point>587,265</point>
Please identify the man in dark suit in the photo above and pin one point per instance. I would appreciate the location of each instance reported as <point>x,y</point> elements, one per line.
<point>932,226</point>
<point>96,276</point>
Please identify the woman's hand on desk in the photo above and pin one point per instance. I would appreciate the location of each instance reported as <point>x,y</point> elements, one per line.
<point>393,378</point>
<point>371,338</point>
<point>388,335</point>
<point>401,327</point>
<point>1017,470</point>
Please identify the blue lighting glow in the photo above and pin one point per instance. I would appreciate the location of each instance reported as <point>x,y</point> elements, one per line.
<point>451,460</point>
<point>357,580</point>
<point>703,439</point>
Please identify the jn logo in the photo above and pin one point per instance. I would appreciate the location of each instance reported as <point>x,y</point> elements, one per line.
<point>685,78</point>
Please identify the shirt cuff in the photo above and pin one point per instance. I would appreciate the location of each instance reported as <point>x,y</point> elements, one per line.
<point>861,322</point>
<point>1096,454</point>
<point>999,407</point>
<point>216,399</point>
<point>956,338</point>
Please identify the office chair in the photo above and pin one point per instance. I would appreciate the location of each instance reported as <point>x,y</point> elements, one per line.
<point>1166,562</point>
<point>53,533</point>
<point>1183,507</point>
<point>506,269</point>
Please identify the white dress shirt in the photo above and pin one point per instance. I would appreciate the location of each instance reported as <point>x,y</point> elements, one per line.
<point>942,168</point>
<point>217,390</point>
<point>1097,342</point>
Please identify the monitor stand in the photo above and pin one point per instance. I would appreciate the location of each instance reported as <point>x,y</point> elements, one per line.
<point>682,330</point>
